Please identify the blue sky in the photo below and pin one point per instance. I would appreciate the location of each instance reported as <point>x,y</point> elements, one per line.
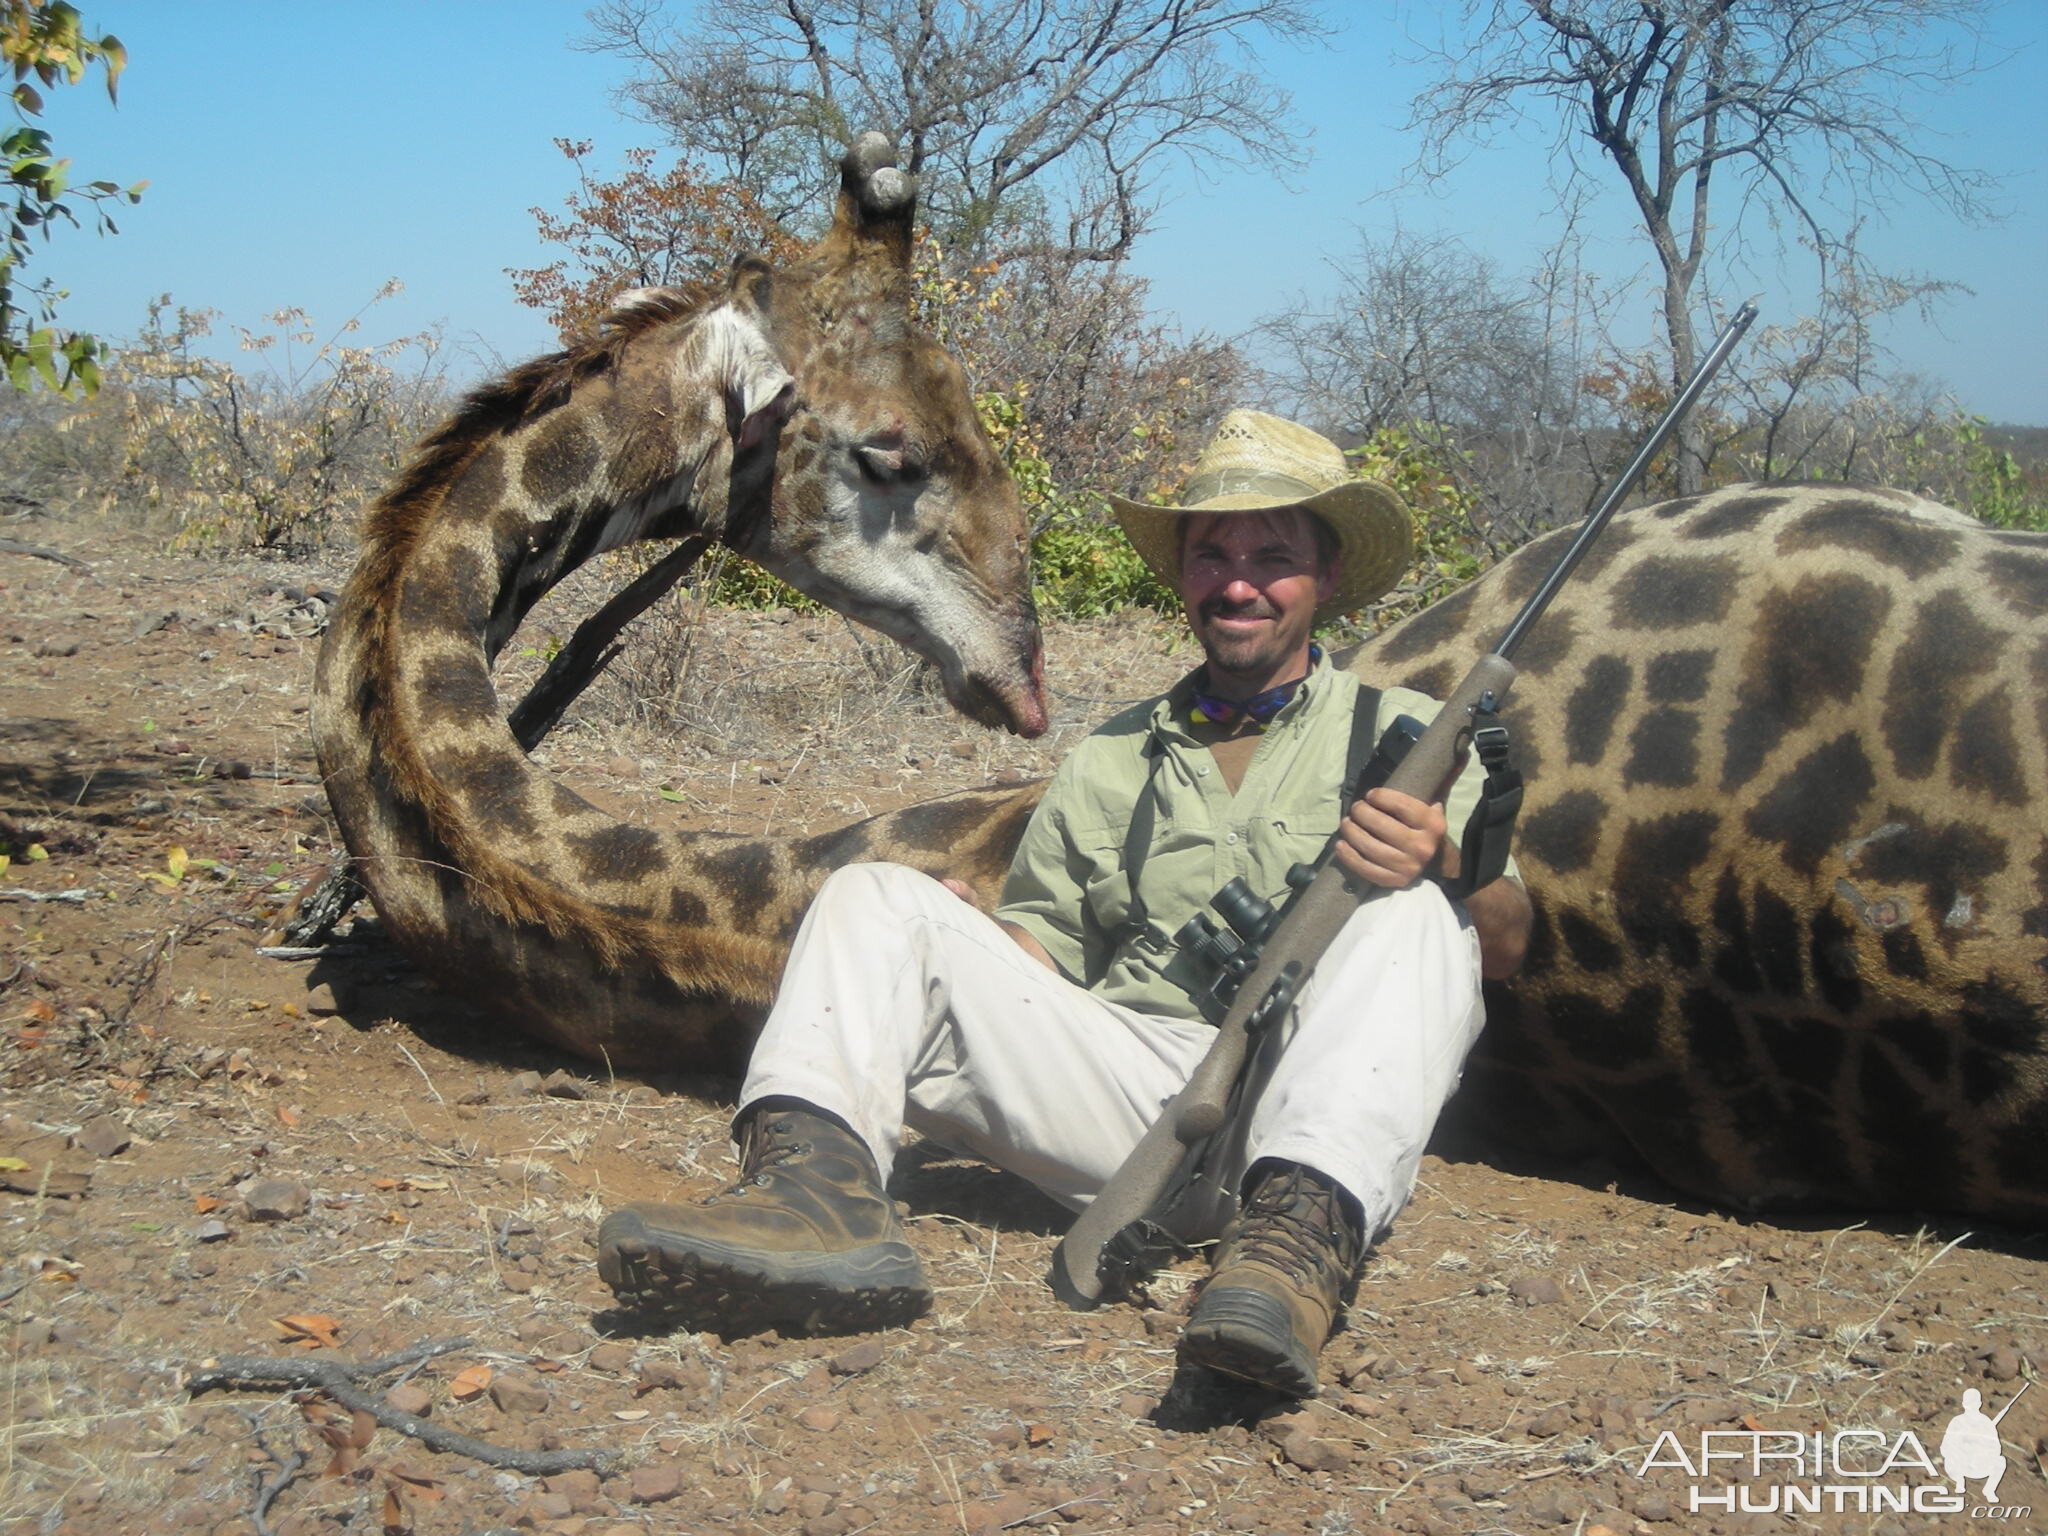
<point>301,153</point>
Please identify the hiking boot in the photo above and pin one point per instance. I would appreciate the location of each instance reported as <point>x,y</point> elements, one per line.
<point>1282,1271</point>
<point>804,1241</point>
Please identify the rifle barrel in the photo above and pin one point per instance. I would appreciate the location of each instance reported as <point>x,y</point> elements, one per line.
<point>1611,503</point>
<point>2015,1398</point>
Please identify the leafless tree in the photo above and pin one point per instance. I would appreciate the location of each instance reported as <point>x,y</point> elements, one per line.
<point>1420,329</point>
<point>1121,399</point>
<point>1424,335</point>
<point>1715,115</point>
<point>1825,397</point>
<point>1028,121</point>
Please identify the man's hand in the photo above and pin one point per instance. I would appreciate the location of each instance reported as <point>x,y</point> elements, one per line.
<point>1024,940</point>
<point>1392,839</point>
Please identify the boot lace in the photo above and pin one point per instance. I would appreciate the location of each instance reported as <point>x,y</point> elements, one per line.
<point>766,1142</point>
<point>1298,1222</point>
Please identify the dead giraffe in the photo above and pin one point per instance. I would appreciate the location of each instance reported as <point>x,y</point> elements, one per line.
<point>1787,751</point>
<point>800,418</point>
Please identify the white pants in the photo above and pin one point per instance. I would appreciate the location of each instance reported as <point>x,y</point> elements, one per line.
<point>903,1003</point>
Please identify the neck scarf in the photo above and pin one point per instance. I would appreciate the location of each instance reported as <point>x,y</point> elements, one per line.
<point>1259,708</point>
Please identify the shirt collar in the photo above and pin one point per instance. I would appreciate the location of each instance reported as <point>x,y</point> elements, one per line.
<point>1170,715</point>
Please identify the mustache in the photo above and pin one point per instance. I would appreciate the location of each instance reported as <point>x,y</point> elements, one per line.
<point>1221,608</point>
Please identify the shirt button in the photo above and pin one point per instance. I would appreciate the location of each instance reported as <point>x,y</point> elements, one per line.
<point>1230,838</point>
<point>1201,773</point>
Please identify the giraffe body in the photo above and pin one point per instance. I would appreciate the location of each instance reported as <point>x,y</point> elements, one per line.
<point>1787,752</point>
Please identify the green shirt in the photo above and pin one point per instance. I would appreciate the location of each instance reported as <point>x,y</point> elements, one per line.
<point>1067,887</point>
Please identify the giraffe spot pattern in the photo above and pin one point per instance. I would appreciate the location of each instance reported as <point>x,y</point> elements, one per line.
<point>447,600</point>
<point>1947,648</point>
<point>1673,592</point>
<point>493,783</point>
<point>453,685</point>
<point>745,870</point>
<point>1913,548</point>
<point>1985,756</point>
<point>1663,749</point>
<point>1831,954</point>
<point>1652,869</point>
<point>1594,706</point>
<point>1815,804</point>
<point>1728,516</point>
<point>1678,677</point>
<point>1809,646</point>
<point>2019,580</point>
<point>561,450</point>
<point>1565,833</point>
<point>1591,946</point>
<point>1436,625</point>
<point>618,853</point>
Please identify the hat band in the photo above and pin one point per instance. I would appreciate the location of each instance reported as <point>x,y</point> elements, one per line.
<point>1246,482</point>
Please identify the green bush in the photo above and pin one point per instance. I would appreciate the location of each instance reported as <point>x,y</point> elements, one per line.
<point>1995,488</point>
<point>1082,567</point>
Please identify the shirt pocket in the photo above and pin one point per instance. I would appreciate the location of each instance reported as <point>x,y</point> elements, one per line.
<point>1284,839</point>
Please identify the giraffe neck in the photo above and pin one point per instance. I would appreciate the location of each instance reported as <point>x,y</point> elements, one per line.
<point>460,838</point>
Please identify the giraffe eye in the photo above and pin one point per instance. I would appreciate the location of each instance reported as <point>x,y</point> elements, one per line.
<point>889,465</point>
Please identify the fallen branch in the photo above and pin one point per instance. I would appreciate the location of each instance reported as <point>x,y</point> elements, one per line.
<point>320,907</point>
<point>43,552</point>
<point>76,896</point>
<point>267,1490</point>
<point>574,668</point>
<point>309,951</point>
<point>340,1380</point>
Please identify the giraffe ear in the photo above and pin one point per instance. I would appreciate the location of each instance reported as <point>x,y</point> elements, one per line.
<point>764,401</point>
<point>760,392</point>
<point>752,287</point>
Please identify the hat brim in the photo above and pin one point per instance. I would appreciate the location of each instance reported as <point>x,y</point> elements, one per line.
<point>1375,536</point>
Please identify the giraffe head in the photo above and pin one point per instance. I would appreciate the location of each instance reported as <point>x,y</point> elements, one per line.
<point>860,472</point>
<point>893,505</point>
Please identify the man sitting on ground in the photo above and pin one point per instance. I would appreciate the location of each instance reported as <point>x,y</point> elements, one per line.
<point>1047,1038</point>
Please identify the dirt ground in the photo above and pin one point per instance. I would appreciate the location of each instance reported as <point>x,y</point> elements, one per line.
<point>209,1153</point>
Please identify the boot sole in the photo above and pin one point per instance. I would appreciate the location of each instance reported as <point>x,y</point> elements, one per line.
<point>1248,1334</point>
<point>713,1286</point>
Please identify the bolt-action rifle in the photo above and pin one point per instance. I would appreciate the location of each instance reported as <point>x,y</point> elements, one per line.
<point>1115,1239</point>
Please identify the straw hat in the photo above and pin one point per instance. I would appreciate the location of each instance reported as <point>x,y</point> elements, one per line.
<point>1259,463</point>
